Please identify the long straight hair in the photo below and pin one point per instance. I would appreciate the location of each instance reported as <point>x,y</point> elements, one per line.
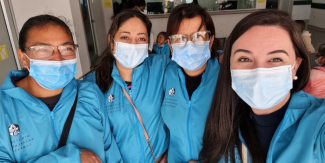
<point>104,68</point>
<point>228,112</point>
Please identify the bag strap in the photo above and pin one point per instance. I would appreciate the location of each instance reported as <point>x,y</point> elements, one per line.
<point>67,124</point>
<point>244,153</point>
<point>140,119</point>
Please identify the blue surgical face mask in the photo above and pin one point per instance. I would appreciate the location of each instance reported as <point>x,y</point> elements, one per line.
<point>317,63</point>
<point>191,57</point>
<point>262,88</point>
<point>162,45</point>
<point>130,55</point>
<point>52,75</point>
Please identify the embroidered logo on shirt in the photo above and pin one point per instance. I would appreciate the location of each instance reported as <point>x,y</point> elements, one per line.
<point>14,130</point>
<point>111,98</point>
<point>171,92</point>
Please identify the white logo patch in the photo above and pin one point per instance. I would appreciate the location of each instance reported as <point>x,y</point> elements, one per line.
<point>171,92</point>
<point>111,98</point>
<point>14,130</point>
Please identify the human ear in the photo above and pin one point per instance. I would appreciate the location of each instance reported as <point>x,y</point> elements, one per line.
<point>111,43</point>
<point>170,47</point>
<point>23,59</point>
<point>211,42</point>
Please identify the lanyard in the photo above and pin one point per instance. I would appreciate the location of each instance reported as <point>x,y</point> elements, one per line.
<point>140,119</point>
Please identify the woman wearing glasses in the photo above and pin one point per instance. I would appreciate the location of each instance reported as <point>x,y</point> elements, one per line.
<point>188,80</point>
<point>132,84</point>
<point>36,105</point>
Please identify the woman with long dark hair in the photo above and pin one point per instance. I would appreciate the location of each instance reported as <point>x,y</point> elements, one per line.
<point>259,113</point>
<point>132,84</point>
<point>189,79</point>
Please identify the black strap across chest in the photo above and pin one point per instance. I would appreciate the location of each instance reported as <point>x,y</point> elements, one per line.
<point>67,125</point>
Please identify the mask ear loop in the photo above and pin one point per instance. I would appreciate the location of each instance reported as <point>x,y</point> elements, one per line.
<point>296,77</point>
<point>28,59</point>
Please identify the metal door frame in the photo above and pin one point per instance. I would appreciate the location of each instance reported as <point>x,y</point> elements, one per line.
<point>92,21</point>
<point>10,30</point>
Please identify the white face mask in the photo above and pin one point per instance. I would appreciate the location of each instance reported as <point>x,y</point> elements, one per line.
<point>130,55</point>
<point>262,88</point>
<point>52,75</point>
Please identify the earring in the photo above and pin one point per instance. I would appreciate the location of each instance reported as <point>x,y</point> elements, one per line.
<point>295,78</point>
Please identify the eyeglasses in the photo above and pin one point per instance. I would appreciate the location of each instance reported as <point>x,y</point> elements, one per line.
<point>45,51</point>
<point>198,38</point>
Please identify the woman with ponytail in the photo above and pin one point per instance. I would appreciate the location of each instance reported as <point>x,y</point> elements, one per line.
<point>132,84</point>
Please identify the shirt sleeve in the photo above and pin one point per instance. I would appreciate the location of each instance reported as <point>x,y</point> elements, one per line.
<point>319,147</point>
<point>67,153</point>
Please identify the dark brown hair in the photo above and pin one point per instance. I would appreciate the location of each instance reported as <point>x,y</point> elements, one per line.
<point>39,22</point>
<point>188,11</point>
<point>321,50</point>
<point>228,112</point>
<point>105,67</point>
<point>163,33</point>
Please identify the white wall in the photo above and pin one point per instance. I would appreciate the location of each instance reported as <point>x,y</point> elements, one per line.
<point>317,17</point>
<point>24,9</point>
<point>224,24</point>
<point>319,1</point>
<point>108,13</point>
<point>260,5</point>
<point>285,5</point>
<point>301,12</point>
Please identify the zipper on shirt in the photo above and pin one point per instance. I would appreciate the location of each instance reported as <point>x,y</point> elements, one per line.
<point>189,116</point>
<point>278,136</point>
<point>188,129</point>
<point>52,116</point>
<point>52,122</point>
<point>137,125</point>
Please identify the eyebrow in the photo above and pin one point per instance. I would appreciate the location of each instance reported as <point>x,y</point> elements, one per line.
<point>130,33</point>
<point>272,52</point>
<point>42,43</point>
<point>142,34</point>
<point>278,51</point>
<point>243,50</point>
<point>125,32</point>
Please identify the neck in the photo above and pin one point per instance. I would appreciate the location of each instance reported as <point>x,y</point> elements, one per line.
<point>273,109</point>
<point>196,72</point>
<point>125,73</point>
<point>30,85</point>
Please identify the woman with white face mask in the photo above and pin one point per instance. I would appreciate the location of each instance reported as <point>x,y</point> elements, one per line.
<point>132,84</point>
<point>188,80</point>
<point>259,113</point>
<point>43,109</point>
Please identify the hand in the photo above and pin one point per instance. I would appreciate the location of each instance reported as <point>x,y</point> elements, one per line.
<point>88,156</point>
<point>220,58</point>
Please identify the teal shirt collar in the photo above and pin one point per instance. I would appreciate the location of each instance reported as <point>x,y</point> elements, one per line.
<point>16,92</point>
<point>136,75</point>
